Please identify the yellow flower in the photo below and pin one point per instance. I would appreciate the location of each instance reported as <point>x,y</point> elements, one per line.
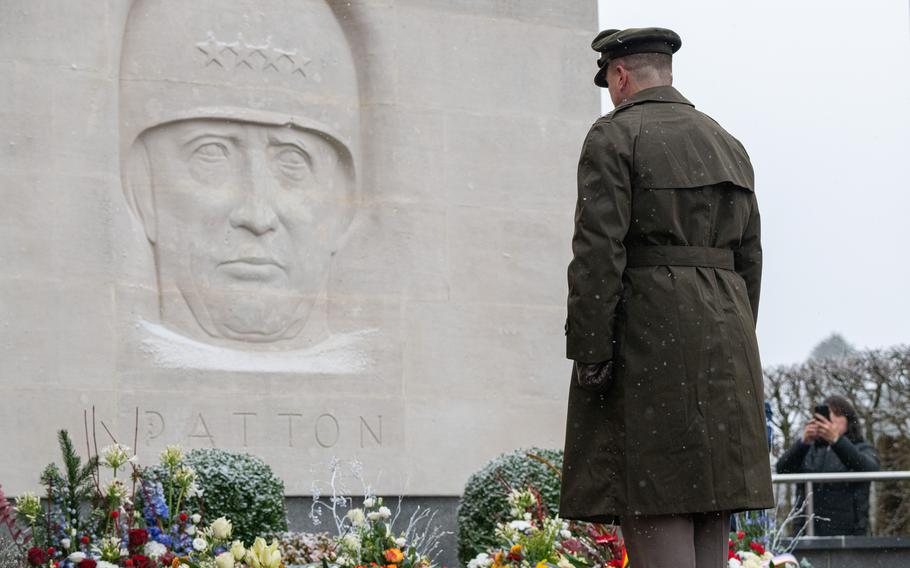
<point>262,555</point>
<point>542,564</point>
<point>516,549</point>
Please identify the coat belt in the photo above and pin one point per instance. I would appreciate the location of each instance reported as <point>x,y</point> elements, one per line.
<point>679,256</point>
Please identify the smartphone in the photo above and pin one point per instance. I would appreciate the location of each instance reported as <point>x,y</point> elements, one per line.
<point>823,410</point>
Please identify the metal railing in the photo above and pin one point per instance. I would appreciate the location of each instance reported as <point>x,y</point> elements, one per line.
<point>810,478</point>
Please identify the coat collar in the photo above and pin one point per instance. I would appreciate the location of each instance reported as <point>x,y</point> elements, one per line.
<point>664,94</point>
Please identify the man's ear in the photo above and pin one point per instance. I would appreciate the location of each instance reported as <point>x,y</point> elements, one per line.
<point>345,180</point>
<point>137,185</point>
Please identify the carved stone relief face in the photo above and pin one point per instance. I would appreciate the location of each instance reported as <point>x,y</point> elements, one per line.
<point>247,217</point>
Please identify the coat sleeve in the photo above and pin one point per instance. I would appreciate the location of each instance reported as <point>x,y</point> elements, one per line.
<point>860,457</point>
<point>748,257</point>
<point>602,216</point>
<point>792,460</point>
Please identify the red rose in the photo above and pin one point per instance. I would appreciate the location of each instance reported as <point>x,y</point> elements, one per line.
<point>757,548</point>
<point>84,539</point>
<point>140,561</point>
<point>183,517</point>
<point>36,556</point>
<point>88,563</point>
<point>740,535</point>
<point>115,514</point>
<point>51,551</point>
<point>138,537</point>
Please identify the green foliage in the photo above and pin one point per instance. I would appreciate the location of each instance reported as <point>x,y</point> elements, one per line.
<point>240,487</point>
<point>75,485</point>
<point>485,500</point>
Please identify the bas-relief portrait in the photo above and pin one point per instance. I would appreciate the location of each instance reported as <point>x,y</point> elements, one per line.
<point>239,126</point>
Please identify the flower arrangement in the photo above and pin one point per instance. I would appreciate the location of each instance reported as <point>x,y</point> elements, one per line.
<point>134,520</point>
<point>534,539</point>
<point>366,537</point>
<point>753,544</point>
<point>368,540</point>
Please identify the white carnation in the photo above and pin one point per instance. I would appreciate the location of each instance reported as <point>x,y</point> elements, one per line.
<point>76,557</point>
<point>385,512</point>
<point>199,544</point>
<point>369,502</point>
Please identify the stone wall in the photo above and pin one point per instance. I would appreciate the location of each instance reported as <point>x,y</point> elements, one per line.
<point>298,228</point>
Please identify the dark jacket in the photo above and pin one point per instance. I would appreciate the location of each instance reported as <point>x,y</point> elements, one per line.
<point>681,428</point>
<point>846,505</point>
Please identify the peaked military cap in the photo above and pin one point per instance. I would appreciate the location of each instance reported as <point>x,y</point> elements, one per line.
<point>613,44</point>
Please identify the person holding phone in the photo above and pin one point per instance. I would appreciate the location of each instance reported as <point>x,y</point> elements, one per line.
<point>833,442</point>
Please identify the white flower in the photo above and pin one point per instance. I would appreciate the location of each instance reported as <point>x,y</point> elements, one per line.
<point>369,502</point>
<point>65,542</point>
<point>355,516</point>
<point>116,491</point>
<point>400,542</point>
<point>199,544</point>
<point>221,528</point>
<point>520,526</point>
<point>385,512</point>
<point>196,518</point>
<point>115,455</point>
<point>103,564</point>
<point>564,562</point>
<point>224,560</point>
<point>193,490</point>
<point>351,540</point>
<point>171,456</point>
<point>373,516</point>
<point>565,533</point>
<point>482,560</point>
<point>734,563</point>
<point>124,553</point>
<point>190,530</point>
<point>238,550</point>
<point>184,476</point>
<point>76,557</point>
<point>154,549</point>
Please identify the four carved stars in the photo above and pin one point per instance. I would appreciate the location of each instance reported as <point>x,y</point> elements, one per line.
<point>230,55</point>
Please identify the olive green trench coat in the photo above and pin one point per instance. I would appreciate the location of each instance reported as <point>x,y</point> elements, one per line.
<point>665,283</point>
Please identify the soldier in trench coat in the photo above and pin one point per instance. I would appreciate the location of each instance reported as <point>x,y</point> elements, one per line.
<point>664,285</point>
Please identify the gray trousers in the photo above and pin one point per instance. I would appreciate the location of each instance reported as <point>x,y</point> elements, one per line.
<point>697,540</point>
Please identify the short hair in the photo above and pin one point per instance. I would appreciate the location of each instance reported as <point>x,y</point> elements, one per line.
<point>648,67</point>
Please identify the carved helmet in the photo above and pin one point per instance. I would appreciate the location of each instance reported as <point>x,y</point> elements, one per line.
<point>276,62</point>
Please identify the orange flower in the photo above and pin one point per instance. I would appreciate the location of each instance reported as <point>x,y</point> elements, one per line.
<point>516,549</point>
<point>394,555</point>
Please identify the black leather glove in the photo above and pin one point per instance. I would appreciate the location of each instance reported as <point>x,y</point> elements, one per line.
<point>594,377</point>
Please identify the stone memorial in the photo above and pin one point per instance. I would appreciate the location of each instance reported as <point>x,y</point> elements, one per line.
<point>305,229</point>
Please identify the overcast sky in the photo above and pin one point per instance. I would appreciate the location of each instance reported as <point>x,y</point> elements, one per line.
<point>819,93</point>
